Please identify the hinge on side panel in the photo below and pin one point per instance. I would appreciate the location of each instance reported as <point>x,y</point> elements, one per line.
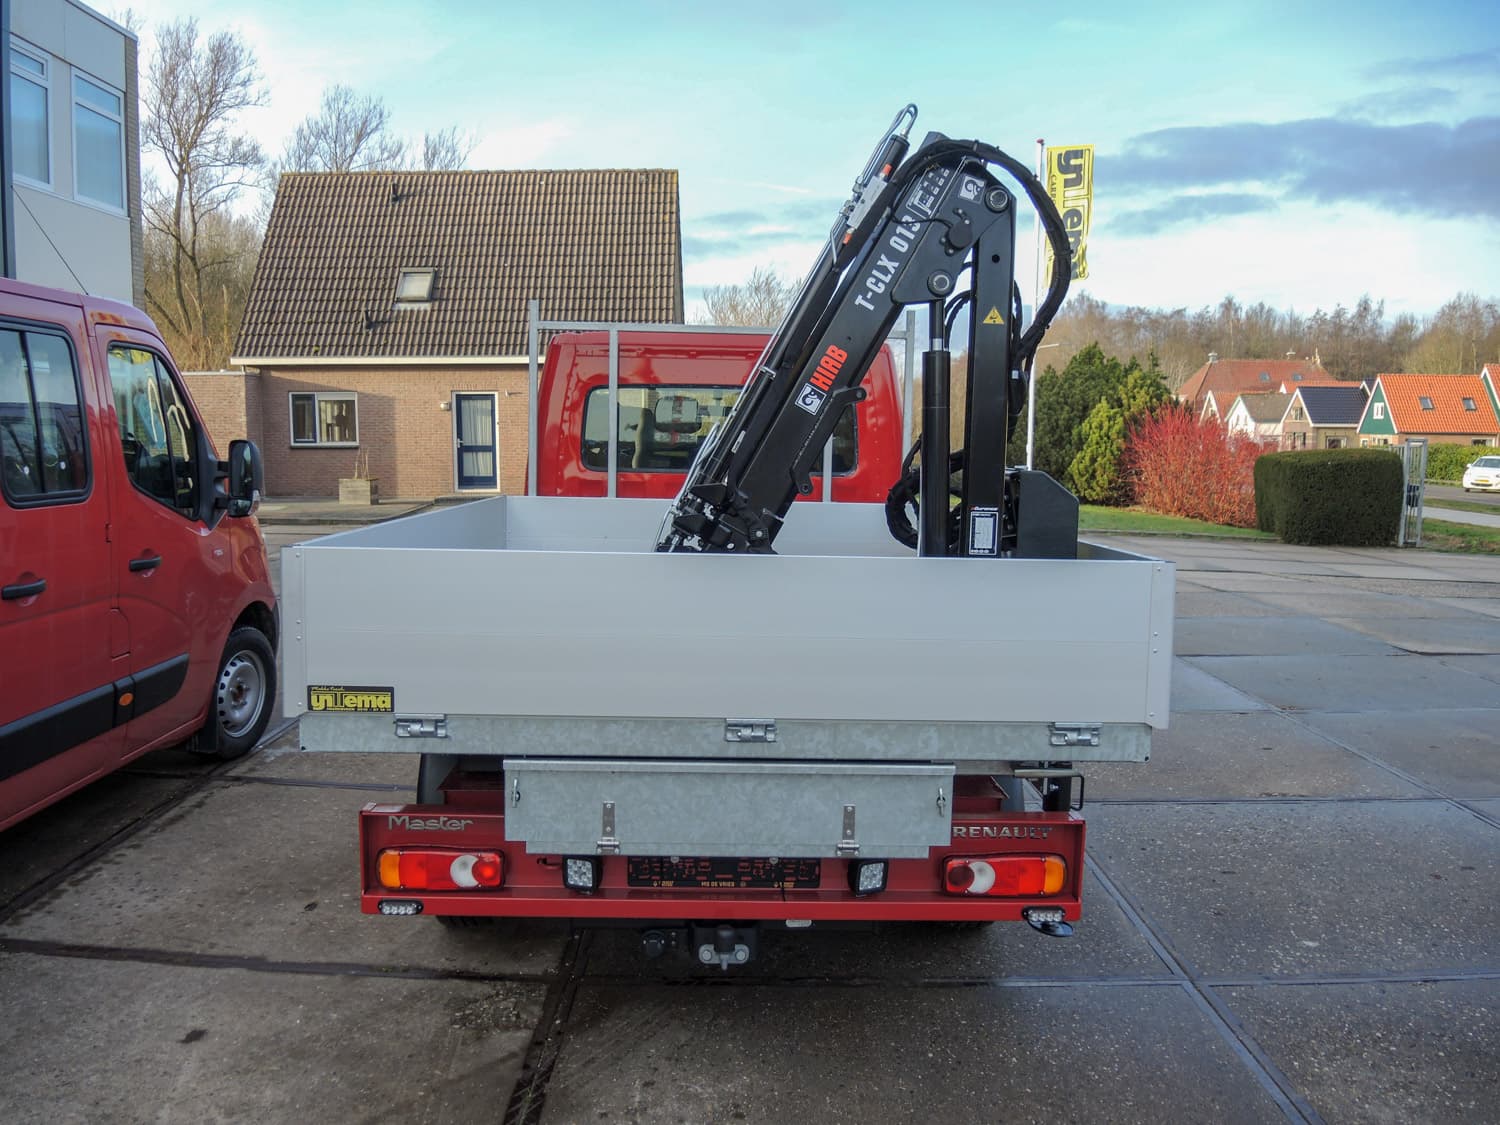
<point>426,726</point>
<point>749,730</point>
<point>608,844</point>
<point>1073,734</point>
<point>848,845</point>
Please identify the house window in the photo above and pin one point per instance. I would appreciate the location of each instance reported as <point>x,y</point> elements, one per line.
<point>1297,414</point>
<point>1469,403</point>
<point>30,152</point>
<point>98,143</point>
<point>414,287</point>
<point>1265,376</point>
<point>1378,411</point>
<point>43,454</point>
<point>324,418</point>
<point>1426,403</point>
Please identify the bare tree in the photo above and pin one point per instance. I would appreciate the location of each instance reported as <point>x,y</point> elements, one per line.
<point>194,92</point>
<point>447,150</point>
<point>762,300</point>
<point>349,133</point>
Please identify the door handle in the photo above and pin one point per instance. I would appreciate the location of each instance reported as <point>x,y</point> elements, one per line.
<point>151,563</point>
<point>20,590</point>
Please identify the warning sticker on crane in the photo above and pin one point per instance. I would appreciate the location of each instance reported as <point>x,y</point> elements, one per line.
<point>994,316</point>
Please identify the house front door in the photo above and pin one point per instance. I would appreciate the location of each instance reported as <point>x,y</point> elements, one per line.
<point>474,439</point>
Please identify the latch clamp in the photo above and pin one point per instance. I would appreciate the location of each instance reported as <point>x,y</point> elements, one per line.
<point>422,726</point>
<point>749,730</point>
<point>1073,734</point>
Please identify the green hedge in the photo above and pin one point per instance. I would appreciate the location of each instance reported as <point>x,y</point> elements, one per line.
<point>1447,462</point>
<point>1350,497</point>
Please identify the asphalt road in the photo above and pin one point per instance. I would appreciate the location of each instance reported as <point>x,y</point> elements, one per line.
<point>1445,492</point>
<point>1292,914</point>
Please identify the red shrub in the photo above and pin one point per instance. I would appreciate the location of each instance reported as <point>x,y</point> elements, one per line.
<point>1179,466</point>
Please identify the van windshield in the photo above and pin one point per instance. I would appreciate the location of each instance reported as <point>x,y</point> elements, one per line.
<point>661,428</point>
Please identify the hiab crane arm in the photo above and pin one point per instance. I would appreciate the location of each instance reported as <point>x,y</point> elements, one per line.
<point>917,221</point>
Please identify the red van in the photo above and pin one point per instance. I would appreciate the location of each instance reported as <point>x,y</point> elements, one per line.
<point>673,387</point>
<point>136,608</point>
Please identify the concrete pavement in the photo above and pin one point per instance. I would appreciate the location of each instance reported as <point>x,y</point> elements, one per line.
<point>1292,914</point>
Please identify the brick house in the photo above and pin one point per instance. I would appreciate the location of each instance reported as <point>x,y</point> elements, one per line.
<point>1323,417</point>
<point>1211,390</point>
<point>385,334</point>
<point>1446,408</point>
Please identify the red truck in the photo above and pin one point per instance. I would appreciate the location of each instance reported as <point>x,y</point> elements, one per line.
<point>136,608</point>
<point>674,387</point>
<point>660,692</point>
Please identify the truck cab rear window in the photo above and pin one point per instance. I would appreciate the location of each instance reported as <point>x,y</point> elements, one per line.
<point>43,452</point>
<point>662,427</point>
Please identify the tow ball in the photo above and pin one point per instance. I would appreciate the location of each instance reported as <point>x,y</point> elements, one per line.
<point>722,944</point>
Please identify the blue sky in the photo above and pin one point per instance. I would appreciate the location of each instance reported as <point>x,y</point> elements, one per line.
<point>1298,154</point>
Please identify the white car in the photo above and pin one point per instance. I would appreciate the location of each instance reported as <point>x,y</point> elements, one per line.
<point>1483,474</point>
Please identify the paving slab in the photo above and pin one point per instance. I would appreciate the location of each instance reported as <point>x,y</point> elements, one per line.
<point>378,771</point>
<point>1320,601</point>
<point>768,1054</point>
<point>1194,689</point>
<point>1469,634</point>
<point>1406,682</point>
<point>270,872</point>
<point>1270,636</point>
<point>1105,943</point>
<point>122,1042</point>
<point>1259,754</point>
<point>1200,601</point>
<point>1298,888</point>
<point>1392,1052</point>
<point>46,841</point>
<point>1457,752</point>
<point>1486,666</point>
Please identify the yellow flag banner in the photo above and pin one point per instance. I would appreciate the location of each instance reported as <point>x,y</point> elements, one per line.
<point>1070,183</point>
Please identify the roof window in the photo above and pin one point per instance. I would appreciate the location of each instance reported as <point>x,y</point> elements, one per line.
<point>414,287</point>
<point>1265,376</point>
<point>1469,403</point>
<point>1426,403</point>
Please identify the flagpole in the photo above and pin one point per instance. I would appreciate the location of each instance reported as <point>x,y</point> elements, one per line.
<point>1036,299</point>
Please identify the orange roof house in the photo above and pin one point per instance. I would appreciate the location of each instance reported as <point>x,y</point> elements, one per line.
<point>1447,408</point>
<point>1223,379</point>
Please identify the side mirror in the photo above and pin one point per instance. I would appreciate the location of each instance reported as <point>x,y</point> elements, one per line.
<point>246,477</point>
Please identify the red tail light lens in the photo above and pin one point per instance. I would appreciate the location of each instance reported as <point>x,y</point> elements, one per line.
<point>1005,876</point>
<point>439,869</point>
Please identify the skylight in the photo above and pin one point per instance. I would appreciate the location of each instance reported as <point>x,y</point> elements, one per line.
<point>1469,403</point>
<point>1265,376</point>
<point>1426,402</point>
<point>414,287</point>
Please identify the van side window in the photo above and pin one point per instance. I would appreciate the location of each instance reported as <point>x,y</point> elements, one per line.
<point>43,451</point>
<point>156,430</point>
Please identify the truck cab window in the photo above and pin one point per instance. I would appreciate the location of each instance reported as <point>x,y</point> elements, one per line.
<point>43,452</point>
<point>156,430</point>
<point>661,428</point>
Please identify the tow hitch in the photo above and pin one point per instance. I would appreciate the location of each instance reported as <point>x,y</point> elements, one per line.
<point>725,944</point>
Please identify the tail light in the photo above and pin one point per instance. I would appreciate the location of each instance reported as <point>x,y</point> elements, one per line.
<point>439,869</point>
<point>1014,876</point>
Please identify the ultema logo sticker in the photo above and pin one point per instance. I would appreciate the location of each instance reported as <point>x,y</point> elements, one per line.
<point>328,698</point>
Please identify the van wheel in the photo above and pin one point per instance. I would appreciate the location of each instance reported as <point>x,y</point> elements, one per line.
<point>243,692</point>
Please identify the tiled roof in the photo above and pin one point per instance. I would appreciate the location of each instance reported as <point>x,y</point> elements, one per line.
<point>1265,408</point>
<point>1229,377</point>
<point>589,244</point>
<point>1403,394</point>
<point>1334,406</point>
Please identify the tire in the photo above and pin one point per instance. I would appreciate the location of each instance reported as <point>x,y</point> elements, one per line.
<point>244,690</point>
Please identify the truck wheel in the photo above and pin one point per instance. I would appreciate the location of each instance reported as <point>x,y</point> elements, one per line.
<point>243,691</point>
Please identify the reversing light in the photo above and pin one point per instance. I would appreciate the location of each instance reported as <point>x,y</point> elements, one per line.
<point>439,869</point>
<point>582,872</point>
<point>867,876</point>
<point>400,907</point>
<point>1008,876</point>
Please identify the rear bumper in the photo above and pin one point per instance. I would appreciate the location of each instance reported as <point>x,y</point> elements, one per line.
<point>533,885</point>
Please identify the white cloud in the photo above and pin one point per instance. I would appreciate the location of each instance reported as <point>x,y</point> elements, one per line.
<point>539,144</point>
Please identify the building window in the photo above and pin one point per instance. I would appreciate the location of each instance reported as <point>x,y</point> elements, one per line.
<point>1425,402</point>
<point>1469,403</point>
<point>1265,376</point>
<point>414,287</point>
<point>1378,411</point>
<point>43,453</point>
<point>324,418</point>
<point>98,143</point>
<point>1297,414</point>
<point>30,152</point>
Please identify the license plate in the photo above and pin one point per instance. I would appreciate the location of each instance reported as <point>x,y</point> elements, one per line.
<point>724,874</point>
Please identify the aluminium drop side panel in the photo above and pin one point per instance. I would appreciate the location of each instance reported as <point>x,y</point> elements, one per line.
<point>292,599</point>
<point>631,633</point>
